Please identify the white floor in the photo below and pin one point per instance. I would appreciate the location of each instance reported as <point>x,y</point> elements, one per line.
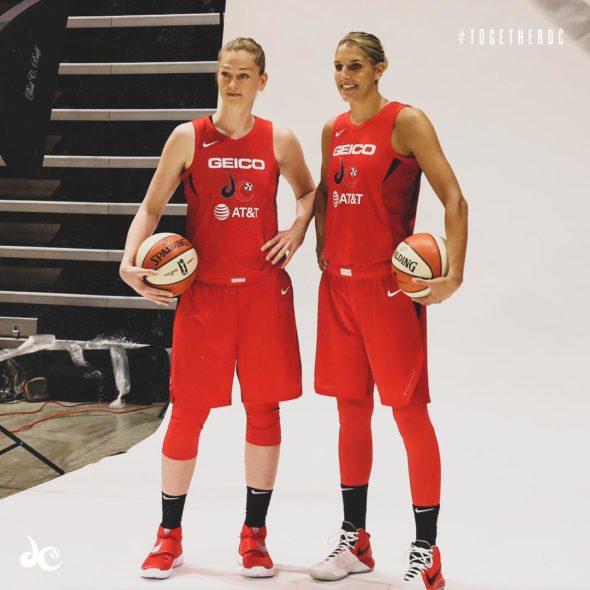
<point>500,528</point>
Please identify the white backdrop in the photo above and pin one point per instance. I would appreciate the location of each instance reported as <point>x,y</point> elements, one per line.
<point>508,352</point>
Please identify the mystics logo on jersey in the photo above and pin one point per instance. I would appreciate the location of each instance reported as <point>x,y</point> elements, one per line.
<point>243,191</point>
<point>228,190</point>
<point>349,176</point>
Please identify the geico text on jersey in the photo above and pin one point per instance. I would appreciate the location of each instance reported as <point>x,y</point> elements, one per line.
<point>241,163</point>
<point>354,149</point>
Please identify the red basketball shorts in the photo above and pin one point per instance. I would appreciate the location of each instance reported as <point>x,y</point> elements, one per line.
<point>370,333</point>
<point>249,327</point>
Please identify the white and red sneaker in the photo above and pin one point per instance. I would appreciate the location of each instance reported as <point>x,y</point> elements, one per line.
<point>165,555</point>
<point>253,554</point>
<point>425,568</point>
<point>353,555</point>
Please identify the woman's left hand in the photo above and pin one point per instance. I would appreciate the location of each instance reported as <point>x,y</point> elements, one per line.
<point>285,244</point>
<point>440,289</point>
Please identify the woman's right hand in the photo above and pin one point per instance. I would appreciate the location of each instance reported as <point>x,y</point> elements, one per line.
<point>134,275</point>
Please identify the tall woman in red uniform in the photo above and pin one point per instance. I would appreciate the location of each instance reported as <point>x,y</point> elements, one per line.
<point>239,312</point>
<point>368,332</point>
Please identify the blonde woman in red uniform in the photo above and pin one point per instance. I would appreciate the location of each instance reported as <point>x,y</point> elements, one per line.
<point>239,312</point>
<point>368,332</point>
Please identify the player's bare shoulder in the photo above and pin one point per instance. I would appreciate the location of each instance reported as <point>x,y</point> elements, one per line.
<point>327,128</point>
<point>411,119</point>
<point>327,135</point>
<point>181,143</point>
<point>412,122</point>
<point>411,126</point>
<point>285,144</point>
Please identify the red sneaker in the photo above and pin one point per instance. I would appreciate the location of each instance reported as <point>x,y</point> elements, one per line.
<point>254,557</point>
<point>425,563</point>
<point>165,555</point>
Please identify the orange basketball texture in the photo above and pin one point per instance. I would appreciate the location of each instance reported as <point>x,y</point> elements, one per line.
<point>420,255</point>
<point>173,257</point>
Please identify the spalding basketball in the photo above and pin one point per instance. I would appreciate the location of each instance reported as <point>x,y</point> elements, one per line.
<point>173,257</point>
<point>422,256</point>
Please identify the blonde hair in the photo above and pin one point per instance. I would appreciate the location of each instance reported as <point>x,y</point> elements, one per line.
<point>370,45</point>
<point>250,46</point>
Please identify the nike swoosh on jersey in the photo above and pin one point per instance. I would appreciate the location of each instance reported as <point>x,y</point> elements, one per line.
<point>340,132</point>
<point>390,294</point>
<point>206,145</point>
<point>284,291</point>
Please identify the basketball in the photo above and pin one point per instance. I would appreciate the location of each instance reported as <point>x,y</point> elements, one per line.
<point>173,257</point>
<point>422,256</point>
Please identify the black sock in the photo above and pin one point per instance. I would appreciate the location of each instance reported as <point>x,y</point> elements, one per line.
<point>426,518</point>
<point>354,499</point>
<point>172,508</point>
<point>257,502</point>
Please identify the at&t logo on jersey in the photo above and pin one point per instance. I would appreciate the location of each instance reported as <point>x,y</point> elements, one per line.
<point>245,212</point>
<point>355,149</point>
<point>221,212</point>
<point>237,163</point>
<point>346,198</point>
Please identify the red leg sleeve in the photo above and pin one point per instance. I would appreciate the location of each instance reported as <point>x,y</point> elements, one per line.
<point>355,442</point>
<point>421,445</point>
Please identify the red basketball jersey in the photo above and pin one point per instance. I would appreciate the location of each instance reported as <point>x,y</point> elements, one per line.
<point>372,191</point>
<point>231,189</point>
